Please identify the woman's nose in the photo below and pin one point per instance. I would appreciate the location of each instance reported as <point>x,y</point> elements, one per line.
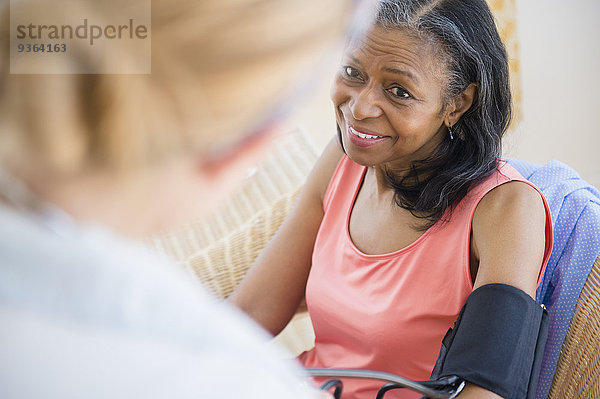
<point>364,104</point>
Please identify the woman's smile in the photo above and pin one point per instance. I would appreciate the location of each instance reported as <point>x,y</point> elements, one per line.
<point>363,137</point>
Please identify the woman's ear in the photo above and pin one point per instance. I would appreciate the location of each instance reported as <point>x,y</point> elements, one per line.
<point>460,104</point>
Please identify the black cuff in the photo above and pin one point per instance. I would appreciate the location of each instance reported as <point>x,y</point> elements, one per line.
<point>497,342</point>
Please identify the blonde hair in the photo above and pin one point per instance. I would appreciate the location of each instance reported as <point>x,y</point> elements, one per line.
<point>216,65</point>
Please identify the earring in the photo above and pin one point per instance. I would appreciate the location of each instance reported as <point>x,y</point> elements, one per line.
<point>451,132</point>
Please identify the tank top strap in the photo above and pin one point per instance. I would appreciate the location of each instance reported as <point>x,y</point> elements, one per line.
<point>345,181</point>
<point>462,215</point>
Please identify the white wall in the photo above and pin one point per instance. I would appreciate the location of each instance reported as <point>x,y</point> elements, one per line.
<point>560,65</point>
<point>560,76</point>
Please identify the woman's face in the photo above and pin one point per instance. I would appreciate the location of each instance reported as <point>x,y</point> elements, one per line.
<point>388,97</point>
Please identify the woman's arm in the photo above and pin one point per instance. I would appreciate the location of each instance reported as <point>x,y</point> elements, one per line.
<point>508,239</point>
<point>507,245</point>
<point>274,286</point>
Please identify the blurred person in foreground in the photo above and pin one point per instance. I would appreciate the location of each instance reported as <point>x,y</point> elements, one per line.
<point>88,163</point>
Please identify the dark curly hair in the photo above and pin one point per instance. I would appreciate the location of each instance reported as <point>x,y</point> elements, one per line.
<point>465,32</point>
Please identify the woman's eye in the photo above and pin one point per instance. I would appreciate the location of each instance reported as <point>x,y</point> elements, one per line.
<point>351,72</point>
<point>399,92</point>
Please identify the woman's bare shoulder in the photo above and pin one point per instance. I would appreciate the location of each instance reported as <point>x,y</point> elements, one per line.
<point>509,236</point>
<point>324,168</point>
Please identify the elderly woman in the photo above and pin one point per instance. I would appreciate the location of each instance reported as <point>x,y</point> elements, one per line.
<point>410,209</point>
<point>89,163</point>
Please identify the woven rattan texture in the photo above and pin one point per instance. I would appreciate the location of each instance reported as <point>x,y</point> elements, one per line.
<point>283,170</point>
<point>578,370</point>
<point>222,265</point>
<point>220,249</point>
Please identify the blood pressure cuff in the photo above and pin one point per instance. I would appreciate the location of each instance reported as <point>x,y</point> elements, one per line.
<point>497,342</point>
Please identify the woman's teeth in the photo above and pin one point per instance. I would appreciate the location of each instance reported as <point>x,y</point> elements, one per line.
<point>362,135</point>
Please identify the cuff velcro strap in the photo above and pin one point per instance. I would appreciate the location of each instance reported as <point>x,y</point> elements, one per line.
<point>497,342</point>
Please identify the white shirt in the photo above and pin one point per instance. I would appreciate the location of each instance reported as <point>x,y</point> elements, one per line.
<point>87,314</point>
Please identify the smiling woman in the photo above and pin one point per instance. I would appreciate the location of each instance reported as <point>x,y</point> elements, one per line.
<point>387,93</point>
<point>410,209</point>
<point>413,79</point>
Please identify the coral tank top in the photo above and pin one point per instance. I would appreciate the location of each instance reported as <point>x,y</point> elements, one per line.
<point>390,312</point>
